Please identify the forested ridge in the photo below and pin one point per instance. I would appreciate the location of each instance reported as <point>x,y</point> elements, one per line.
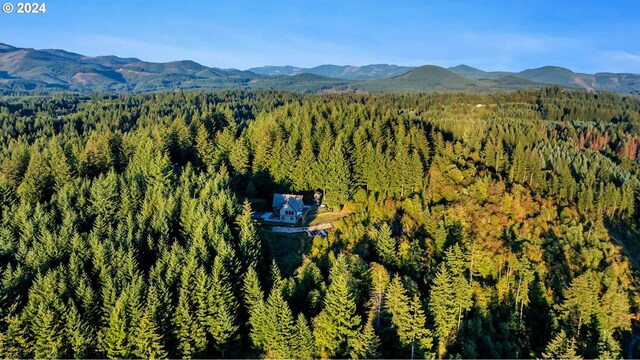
<point>495,226</point>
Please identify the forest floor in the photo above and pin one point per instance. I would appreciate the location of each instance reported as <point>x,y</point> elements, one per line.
<point>287,249</point>
<point>628,239</point>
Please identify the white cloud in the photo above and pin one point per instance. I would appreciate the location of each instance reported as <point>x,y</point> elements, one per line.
<point>625,56</point>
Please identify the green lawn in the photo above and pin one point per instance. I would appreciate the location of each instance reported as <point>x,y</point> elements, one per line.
<point>316,219</point>
<point>286,249</point>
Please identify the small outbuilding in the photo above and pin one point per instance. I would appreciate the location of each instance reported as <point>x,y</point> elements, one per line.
<point>317,198</point>
<point>288,208</point>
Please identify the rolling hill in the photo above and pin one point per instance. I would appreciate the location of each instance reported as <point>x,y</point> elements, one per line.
<point>50,69</point>
<point>560,76</point>
<point>434,78</point>
<point>623,83</point>
<point>31,71</point>
<point>555,75</point>
<point>424,78</point>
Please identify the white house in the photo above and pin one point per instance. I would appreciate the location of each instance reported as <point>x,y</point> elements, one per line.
<point>288,208</point>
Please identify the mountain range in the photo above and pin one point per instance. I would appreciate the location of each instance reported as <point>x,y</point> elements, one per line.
<point>349,72</point>
<point>31,71</point>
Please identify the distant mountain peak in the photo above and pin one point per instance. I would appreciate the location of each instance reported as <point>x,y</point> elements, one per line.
<point>464,67</point>
<point>550,68</point>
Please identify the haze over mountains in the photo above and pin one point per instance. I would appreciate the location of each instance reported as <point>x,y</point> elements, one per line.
<point>29,71</point>
<point>367,72</point>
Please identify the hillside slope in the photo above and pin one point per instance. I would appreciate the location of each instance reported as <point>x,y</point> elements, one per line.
<point>29,71</point>
<point>434,78</point>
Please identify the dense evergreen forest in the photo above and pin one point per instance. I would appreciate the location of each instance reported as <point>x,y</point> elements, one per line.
<point>501,225</point>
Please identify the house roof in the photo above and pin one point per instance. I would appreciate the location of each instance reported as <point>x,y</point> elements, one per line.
<point>293,201</point>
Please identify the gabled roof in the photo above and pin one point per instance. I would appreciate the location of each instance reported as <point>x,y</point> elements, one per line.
<point>293,201</point>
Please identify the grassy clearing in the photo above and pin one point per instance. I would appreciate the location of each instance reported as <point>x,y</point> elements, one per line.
<point>316,219</point>
<point>286,249</point>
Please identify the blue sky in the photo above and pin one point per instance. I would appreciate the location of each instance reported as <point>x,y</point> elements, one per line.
<point>586,36</point>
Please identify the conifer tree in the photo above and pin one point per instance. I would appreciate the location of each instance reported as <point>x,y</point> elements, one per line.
<point>379,281</point>
<point>304,174</point>
<point>199,295</point>
<point>61,171</point>
<point>489,153</point>
<point>239,157</point>
<point>370,169</point>
<point>115,338</point>
<point>368,342</point>
<point>499,157</point>
<point>525,277</point>
<point>222,308</point>
<point>78,334</point>
<point>337,326</point>
<point>37,179</point>
<point>581,300</point>
<point>279,326</point>
<point>8,195</point>
<point>274,271</point>
<point>148,343</point>
<point>160,172</point>
<point>14,342</point>
<point>359,156</point>
<point>183,325</point>
<point>249,243</point>
<point>204,147</point>
<point>104,200</point>
<point>303,341</point>
<point>613,312</point>
<point>421,338</point>
<point>338,172</point>
<point>254,302</point>
<point>440,237</point>
<point>401,165</point>
<point>417,172</point>
<point>385,246</point>
<point>608,347</point>
<point>407,318</point>
<point>97,156</point>
<point>561,347</point>
<point>443,307</point>
<point>48,342</point>
<point>456,261</point>
<point>517,171</point>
